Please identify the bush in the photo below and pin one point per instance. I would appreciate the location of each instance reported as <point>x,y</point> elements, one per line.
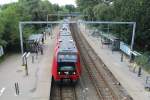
<point>143,61</point>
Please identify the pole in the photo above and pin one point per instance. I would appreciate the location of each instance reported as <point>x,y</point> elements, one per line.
<point>23,60</point>
<point>108,33</point>
<point>139,71</point>
<point>122,57</point>
<point>26,66</point>
<point>17,88</point>
<point>47,21</point>
<point>21,38</point>
<point>32,58</point>
<point>133,36</point>
<point>51,31</point>
<point>84,28</point>
<point>132,42</point>
<point>108,28</point>
<point>45,35</point>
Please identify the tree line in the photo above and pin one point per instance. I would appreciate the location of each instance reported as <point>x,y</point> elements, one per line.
<point>25,10</point>
<point>121,10</point>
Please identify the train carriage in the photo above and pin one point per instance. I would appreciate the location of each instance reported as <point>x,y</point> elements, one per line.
<point>66,61</point>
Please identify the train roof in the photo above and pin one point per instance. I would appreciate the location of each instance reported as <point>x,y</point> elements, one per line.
<point>65,33</point>
<point>67,45</point>
<point>65,30</point>
<point>67,51</point>
<point>66,42</point>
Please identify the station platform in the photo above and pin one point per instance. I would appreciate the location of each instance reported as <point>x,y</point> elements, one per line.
<point>35,86</point>
<point>133,84</point>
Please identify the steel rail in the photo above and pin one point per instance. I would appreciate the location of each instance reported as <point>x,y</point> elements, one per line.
<point>92,64</point>
<point>99,86</point>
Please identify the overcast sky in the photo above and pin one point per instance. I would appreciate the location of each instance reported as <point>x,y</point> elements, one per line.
<point>60,2</point>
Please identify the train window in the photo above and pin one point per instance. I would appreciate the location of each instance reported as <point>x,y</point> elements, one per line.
<point>66,66</point>
<point>67,58</point>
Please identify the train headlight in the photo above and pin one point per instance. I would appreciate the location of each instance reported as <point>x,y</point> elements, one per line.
<point>59,73</point>
<point>74,73</point>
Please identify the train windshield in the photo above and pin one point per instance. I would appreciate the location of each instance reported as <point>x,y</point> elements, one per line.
<point>66,66</point>
<point>68,58</point>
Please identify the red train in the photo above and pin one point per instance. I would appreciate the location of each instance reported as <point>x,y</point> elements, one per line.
<point>66,60</point>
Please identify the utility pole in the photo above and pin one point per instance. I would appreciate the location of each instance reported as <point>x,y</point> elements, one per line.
<point>21,38</point>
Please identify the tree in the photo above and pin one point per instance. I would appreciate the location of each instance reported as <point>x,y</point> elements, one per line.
<point>103,12</point>
<point>23,10</point>
<point>9,19</point>
<point>37,9</point>
<point>70,8</point>
<point>122,10</point>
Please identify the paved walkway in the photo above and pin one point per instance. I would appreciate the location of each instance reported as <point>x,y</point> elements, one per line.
<point>37,85</point>
<point>129,80</point>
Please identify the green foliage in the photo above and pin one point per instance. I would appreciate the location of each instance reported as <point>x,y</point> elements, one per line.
<point>23,10</point>
<point>37,9</point>
<point>142,60</point>
<point>121,10</point>
<point>70,8</point>
<point>9,20</point>
<point>103,12</point>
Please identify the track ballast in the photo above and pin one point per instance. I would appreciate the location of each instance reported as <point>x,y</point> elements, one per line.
<point>105,83</point>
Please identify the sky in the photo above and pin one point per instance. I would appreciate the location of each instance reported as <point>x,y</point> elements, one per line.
<point>63,2</point>
<point>60,2</point>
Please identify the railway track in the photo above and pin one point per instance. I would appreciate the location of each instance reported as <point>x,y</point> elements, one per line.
<point>102,79</point>
<point>63,92</point>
